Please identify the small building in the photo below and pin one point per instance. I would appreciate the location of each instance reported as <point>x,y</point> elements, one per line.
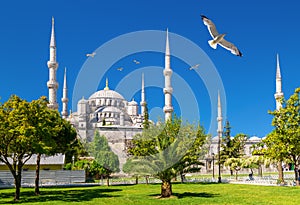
<point>55,162</point>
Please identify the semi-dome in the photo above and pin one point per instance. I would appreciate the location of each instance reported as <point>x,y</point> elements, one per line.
<point>132,103</point>
<point>82,101</point>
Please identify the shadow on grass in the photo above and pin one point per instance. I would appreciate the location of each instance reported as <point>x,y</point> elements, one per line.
<point>72,195</point>
<point>190,195</point>
<point>193,194</point>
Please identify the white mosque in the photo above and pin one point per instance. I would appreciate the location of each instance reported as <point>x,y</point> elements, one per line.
<point>118,119</point>
<point>106,110</point>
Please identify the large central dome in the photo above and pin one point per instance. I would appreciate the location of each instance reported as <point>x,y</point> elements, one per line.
<point>106,94</point>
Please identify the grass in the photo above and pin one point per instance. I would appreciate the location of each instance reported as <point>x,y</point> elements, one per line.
<point>199,193</point>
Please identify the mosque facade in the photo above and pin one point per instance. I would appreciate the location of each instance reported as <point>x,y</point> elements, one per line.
<point>106,110</point>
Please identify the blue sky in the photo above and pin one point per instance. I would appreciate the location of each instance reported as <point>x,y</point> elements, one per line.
<point>261,29</point>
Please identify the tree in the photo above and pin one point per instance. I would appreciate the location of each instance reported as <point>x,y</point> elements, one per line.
<point>29,128</point>
<point>283,143</point>
<point>17,137</point>
<point>167,149</point>
<point>235,164</point>
<point>190,162</point>
<point>232,147</point>
<point>136,169</point>
<point>273,150</point>
<point>53,134</point>
<point>104,156</point>
<point>255,162</point>
<point>146,122</point>
<point>76,150</point>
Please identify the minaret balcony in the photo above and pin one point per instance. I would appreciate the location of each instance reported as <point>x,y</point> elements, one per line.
<point>278,95</point>
<point>64,113</point>
<point>65,100</point>
<point>53,106</point>
<point>52,84</point>
<point>168,90</point>
<point>52,64</point>
<point>167,72</point>
<point>168,108</point>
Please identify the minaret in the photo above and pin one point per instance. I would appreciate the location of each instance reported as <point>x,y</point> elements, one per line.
<point>143,102</point>
<point>65,99</point>
<point>219,118</point>
<point>220,132</point>
<point>168,108</point>
<point>279,94</point>
<point>52,65</point>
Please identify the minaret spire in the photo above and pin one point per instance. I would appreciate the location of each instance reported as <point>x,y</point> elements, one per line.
<point>278,74</point>
<point>52,40</point>
<point>143,102</point>
<point>278,94</point>
<point>168,90</point>
<point>65,99</point>
<point>52,64</point>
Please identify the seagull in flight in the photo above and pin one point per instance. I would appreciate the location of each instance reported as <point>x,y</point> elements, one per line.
<point>219,38</point>
<point>194,66</point>
<point>120,69</point>
<point>91,54</point>
<point>136,61</point>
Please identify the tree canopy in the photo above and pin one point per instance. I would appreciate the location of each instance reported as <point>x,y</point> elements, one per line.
<point>165,150</point>
<point>232,147</point>
<point>104,156</point>
<point>283,143</point>
<point>29,128</point>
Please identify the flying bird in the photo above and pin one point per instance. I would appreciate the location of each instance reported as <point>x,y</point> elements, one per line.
<point>91,54</point>
<point>219,38</point>
<point>194,66</point>
<point>120,69</point>
<point>136,62</point>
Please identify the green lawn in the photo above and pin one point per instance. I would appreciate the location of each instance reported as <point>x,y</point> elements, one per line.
<point>148,194</point>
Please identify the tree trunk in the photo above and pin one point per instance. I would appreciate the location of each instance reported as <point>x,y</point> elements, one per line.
<point>280,172</point>
<point>259,170</point>
<point>17,186</point>
<point>107,181</point>
<point>147,180</point>
<point>231,172</point>
<point>182,177</point>
<point>166,189</point>
<point>102,183</point>
<point>136,179</point>
<point>18,178</point>
<point>37,175</point>
<point>236,175</point>
<point>296,171</point>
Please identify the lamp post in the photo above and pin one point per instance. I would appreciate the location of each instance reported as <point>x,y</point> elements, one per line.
<point>73,158</point>
<point>213,163</point>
